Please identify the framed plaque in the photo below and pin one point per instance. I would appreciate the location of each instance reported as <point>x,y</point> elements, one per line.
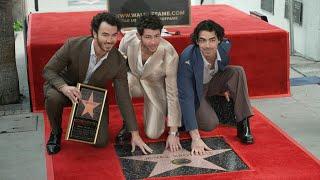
<point>86,115</point>
<point>171,12</point>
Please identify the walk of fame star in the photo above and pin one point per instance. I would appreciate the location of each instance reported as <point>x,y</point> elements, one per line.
<point>171,160</point>
<point>89,105</point>
<point>163,163</point>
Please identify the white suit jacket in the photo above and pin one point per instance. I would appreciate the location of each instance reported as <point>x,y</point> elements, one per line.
<point>159,78</point>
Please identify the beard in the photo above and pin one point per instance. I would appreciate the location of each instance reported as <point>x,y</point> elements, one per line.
<point>106,47</point>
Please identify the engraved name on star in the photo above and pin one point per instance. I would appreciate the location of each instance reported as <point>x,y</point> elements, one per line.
<point>89,105</point>
<point>165,160</point>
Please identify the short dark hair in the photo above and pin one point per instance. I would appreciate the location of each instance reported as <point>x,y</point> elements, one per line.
<point>207,25</point>
<point>104,17</point>
<point>148,22</point>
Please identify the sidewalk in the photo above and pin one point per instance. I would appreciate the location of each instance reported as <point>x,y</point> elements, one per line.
<point>21,132</point>
<point>22,146</point>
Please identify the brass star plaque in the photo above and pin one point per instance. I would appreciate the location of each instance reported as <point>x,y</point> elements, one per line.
<point>86,115</point>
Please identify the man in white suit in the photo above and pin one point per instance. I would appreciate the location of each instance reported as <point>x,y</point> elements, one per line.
<point>153,62</point>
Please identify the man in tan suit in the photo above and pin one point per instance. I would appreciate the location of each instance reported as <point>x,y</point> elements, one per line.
<point>153,62</point>
<point>94,61</point>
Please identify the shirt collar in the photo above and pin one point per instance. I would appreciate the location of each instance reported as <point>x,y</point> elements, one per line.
<point>92,49</point>
<point>205,60</point>
<point>218,56</point>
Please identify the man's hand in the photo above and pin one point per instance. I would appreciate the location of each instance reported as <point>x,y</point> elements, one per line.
<point>137,141</point>
<point>173,143</point>
<point>198,147</point>
<point>71,92</point>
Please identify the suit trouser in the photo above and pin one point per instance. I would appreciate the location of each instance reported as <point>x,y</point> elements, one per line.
<point>55,101</point>
<point>232,79</point>
<point>154,119</point>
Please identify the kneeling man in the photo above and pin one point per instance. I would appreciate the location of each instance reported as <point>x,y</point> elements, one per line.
<point>153,64</point>
<point>203,71</point>
<point>91,60</point>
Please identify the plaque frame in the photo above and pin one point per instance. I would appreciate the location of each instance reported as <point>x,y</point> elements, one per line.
<point>74,110</point>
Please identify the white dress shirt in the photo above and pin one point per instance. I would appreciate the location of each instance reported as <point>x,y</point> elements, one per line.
<point>207,72</point>
<point>93,64</point>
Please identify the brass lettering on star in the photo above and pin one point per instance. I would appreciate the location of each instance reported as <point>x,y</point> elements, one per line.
<point>181,161</point>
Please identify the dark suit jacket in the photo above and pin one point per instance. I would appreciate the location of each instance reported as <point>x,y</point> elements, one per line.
<point>190,81</point>
<point>69,65</point>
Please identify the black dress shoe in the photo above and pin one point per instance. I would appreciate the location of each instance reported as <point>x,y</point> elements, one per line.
<point>53,144</point>
<point>124,135</point>
<point>244,132</point>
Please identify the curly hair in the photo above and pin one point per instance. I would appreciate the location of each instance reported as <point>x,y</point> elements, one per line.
<point>148,22</point>
<point>207,25</point>
<point>104,17</point>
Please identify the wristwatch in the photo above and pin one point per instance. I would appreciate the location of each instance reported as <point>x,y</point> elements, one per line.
<point>174,133</point>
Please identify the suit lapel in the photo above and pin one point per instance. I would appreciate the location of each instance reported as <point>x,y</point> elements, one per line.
<point>224,59</point>
<point>221,67</point>
<point>133,57</point>
<point>198,71</point>
<point>84,59</point>
<point>224,48</point>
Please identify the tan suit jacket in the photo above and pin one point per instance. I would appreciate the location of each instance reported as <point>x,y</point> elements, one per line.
<point>158,80</point>
<point>69,66</point>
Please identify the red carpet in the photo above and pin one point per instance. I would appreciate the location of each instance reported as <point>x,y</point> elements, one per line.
<point>262,49</point>
<point>273,156</point>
